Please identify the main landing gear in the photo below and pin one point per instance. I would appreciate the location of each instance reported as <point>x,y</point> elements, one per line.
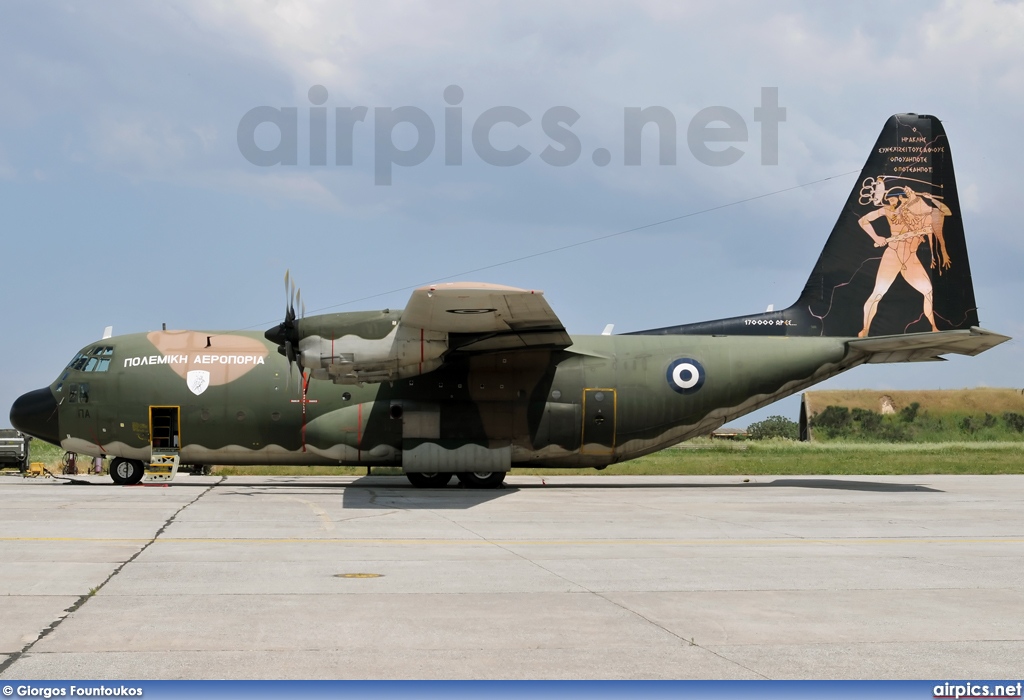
<point>472,480</point>
<point>481,480</point>
<point>429,480</point>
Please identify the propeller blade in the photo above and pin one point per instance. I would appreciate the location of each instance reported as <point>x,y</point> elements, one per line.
<point>289,353</point>
<point>286,334</point>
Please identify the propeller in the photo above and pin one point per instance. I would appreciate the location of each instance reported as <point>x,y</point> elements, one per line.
<point>286,333</point>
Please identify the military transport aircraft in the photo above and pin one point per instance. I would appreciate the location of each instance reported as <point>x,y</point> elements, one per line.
<point>471,380</point>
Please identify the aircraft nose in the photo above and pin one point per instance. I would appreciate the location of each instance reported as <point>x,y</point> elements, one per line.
<point>35,413</point>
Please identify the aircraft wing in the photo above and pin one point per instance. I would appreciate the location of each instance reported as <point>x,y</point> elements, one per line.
<point>926,347</point>
<point>440,320</point>
<point>480,317</point>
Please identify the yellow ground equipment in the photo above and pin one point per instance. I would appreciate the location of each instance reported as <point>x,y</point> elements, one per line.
<point>36,469</point>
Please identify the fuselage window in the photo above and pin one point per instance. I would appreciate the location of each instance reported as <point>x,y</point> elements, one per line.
<point>90,365</point>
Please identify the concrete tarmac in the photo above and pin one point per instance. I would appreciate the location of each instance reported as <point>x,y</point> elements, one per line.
<point>560,577</point>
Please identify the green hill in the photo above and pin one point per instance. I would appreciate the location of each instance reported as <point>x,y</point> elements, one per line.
<point>963,415</point>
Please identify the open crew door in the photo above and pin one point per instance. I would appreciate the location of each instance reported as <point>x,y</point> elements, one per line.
<point>165,443</point>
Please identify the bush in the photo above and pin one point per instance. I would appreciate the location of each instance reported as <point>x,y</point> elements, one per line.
<point>1014,421</point>
<point>774,427</point>
<point>894,432</point>
<point>869,421</point>
<point>834,420</point>
<point>909,413</point>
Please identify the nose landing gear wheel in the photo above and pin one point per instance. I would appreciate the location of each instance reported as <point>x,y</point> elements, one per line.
<point>481,480</point>
<point>429,480</point>
<point>126,471</point>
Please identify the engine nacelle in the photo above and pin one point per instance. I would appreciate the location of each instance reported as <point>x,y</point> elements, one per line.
<point>353,359</point>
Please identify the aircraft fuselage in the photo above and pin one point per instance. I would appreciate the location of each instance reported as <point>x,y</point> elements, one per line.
<point>603,400</point>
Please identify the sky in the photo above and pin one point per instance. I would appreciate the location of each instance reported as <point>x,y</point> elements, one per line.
<point>130,197</point>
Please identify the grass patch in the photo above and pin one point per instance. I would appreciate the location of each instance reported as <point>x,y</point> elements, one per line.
<point>50,455</point>
<point>787,457</point>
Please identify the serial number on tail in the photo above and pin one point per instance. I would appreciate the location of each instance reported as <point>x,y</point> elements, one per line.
<point>768,322</point>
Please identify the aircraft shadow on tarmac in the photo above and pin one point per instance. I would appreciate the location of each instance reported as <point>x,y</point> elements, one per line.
<point>389,493</point>
<point>374,494</point>
<point>383,492</point>
<point>813,483</point>
<point>391,497</point>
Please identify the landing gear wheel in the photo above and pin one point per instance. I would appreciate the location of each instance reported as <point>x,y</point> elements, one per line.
<point>481,480</point>
<point>429,480</point>
<point>126,471</point>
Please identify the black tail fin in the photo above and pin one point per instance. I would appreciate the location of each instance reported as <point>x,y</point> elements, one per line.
<point>896,261</point>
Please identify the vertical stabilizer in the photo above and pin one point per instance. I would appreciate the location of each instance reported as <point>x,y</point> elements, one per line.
<point>896,261</point>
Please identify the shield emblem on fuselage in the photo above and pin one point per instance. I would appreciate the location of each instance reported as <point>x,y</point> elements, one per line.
<point>197,380</point>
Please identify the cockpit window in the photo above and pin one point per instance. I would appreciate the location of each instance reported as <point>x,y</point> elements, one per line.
<point>94,359</point>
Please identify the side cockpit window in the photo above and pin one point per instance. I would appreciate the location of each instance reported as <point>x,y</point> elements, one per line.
<point>78,393</point>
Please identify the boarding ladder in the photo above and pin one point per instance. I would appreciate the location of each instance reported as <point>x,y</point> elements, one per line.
<point>163,465</point>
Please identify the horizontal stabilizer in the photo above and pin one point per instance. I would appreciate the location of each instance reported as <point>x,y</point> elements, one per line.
<point>926,347</point>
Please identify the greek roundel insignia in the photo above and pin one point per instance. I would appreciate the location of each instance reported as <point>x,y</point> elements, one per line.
<point>685,375</point>
<point>197,380</point>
